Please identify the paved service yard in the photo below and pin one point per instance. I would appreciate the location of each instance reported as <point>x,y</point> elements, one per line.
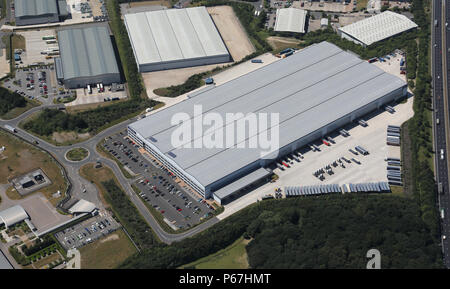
<point>83,97</point>
<point>35,45</point>
<point>158,188</point>
<point>372,167</point>
<point>43,215</point>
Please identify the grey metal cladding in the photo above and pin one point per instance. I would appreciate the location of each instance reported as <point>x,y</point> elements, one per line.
<point>87,52</point>
<point>23,8</point>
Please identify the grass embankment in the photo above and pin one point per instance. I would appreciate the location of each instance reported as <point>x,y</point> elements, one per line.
<point>3,7</point>
<point>67,128</point>
<point>107,252</point>
<point>20,157</point>
<point>77,154</point>
<point>232,257</point>
<point>15,112</point>
<point>114,197</point>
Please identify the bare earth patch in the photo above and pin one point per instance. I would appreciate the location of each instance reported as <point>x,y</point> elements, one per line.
<point>110,238</point>
<point>232,32</point>
<point>62,137</point>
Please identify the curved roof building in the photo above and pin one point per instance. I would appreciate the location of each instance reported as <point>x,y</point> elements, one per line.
<point>13,216</point>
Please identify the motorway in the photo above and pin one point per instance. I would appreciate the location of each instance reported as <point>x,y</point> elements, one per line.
<point>440,43</point>
<point>78,183</point>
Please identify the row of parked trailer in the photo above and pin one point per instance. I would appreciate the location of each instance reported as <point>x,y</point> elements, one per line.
<point>311,190</point>
<point>378,187</point>
<point>394,172</point>
<point>393,135</point>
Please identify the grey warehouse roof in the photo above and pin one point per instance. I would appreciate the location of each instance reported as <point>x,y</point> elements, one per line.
<point>173,34</point>
<point>378,27</point>
<point>290,19</point>
<point>241,183</point>
<point>86,52</point>
<point>34,7</point>
<point>310,89</point>
<point>13,215</point>
<point>4,262</point>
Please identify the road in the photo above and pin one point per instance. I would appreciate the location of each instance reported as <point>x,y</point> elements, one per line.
<point>440,62</point>
<point>78,182</point>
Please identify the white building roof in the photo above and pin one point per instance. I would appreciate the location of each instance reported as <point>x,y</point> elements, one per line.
<point>173,35</point>
<point>296,87</point>
<point>378,27</point>
<point>290,19</point>
<point>13,215</point>
<point>82,206</point>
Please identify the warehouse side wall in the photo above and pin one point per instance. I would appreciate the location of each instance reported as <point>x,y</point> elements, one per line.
<point>33,20</point>
<point>184,63</point>
<point>79,82</point>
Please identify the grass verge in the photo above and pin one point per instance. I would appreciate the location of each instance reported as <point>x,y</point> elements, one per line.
<point>107,252</point>
<point>232,257</point>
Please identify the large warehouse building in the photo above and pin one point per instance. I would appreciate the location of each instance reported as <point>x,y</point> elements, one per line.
<point>175,38</point>
<point>376,28</point>
<point>290,20</point>
<point>315,91</point>
<point>87,57</point>
<point>31,12</point>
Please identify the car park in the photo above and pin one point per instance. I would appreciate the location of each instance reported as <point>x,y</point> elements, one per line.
<point>158,187</point>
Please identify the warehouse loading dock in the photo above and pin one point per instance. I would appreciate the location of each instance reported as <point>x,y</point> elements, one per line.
<point>302,84</point>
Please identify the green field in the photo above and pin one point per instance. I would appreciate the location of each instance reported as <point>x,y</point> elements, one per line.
<point>232,257</point>
<point>107,252</point>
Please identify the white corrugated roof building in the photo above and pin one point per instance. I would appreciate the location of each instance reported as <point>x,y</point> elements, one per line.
<point>376,28</point>
<point>175,38</point>
<point>290,20</point>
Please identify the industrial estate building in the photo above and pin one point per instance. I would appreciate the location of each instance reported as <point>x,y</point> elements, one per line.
<point>376,28</point>
<point>30,12</point>
<point>291,20</point>
<point>87,57</point>
<point>315,91</point>
<point>175,38</point>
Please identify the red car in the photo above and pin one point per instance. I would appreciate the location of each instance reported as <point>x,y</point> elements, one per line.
<point>179,210</point>
<point>162,212</point>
